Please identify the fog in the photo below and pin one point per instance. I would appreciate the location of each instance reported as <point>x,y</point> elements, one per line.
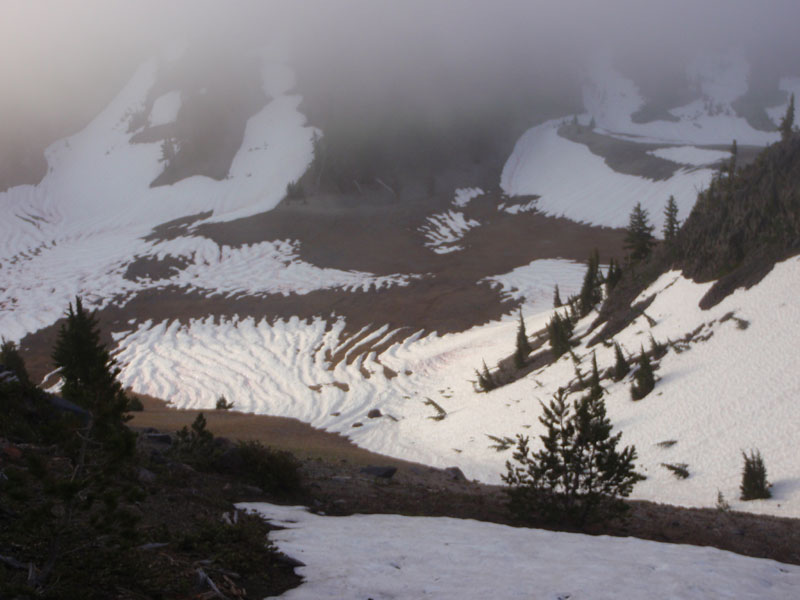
<point>62,60</point>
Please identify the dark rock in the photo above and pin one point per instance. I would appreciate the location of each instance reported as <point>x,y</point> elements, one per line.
<point>159,438</point>
<point>358,424</point>
<point>382,472</point>
<point>374,414</point>
<point>455,474</point>
<point>146,476</point>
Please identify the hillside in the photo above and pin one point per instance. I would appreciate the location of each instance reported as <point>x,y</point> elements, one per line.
<point>280,269</point>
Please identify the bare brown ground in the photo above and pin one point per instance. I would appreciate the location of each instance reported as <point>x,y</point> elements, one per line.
<point>335,485</point>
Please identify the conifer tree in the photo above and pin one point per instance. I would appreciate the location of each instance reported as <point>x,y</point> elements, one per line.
<point>621,366</point>
<point>486,382</point>
<point>671,220</point>
<point>787,123</point>
<point>88,373</point>
<point>557,303</point>
<point>639,236</point>
<point>559,332</point>
<point>754,484</point>
<point>11,359</point>
<point>613,276</point>
<point>579,475</point>
<point>590,290</point>
<point>644,379</point>
<point>732,160</point>
<point>595,389</point>
<point>523,346</point>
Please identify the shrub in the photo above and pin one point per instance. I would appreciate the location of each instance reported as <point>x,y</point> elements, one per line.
<point>754,477</point>
<point>294,190</point>
<point>134,404</point>
<point>559,332</point>
<point>644,379</point>
<point>486,381</point>
<point>621,366</point>
<point>579,474</point>
<point>271,470</point>
<point>223,404</point>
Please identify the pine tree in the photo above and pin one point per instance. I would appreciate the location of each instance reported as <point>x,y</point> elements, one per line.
<point>592,124</point>
<point>787,123</point>
<point>11,359</point>
<point>754,477</point>
<point>639,236</point>
<point>523,346</point>
<point>644,379</point>
<point>590,290</point>
<point>579,475</point>
<point>559,332</point>
<point>732,161</point>
<point>613,276</point>
<point>557,303</point>
<point>486,382</point>
<point>621,366</point>
<point>595,389</point>
<point>88,373</point>
<point>671,222</point>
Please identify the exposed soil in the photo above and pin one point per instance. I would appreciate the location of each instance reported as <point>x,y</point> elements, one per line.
<point>336,485</point>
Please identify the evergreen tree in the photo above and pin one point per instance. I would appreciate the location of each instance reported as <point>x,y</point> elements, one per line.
<point>579,475</point>
<point>523,346</point>
<point>787,123</point>
<point>621,366</point>
<point>671,222</point>
<point>613,276</point>
<point>557,303</point>
<point>732,160</point>
<point>592,124</point>
<point>639,236</point>
<point>486,382</point>
<point>88,373</point>
<point>644,379</point>
<point>11,359</point>
<point>754,477</point>
<point>590,290</point>
<point>595,389</point>
<point>559,332</point>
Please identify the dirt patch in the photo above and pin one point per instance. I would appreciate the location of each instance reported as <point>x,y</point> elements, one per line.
<point>336,485</point>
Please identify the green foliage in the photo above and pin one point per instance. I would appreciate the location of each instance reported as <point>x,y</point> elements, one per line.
<point>787,123</point>
<point>621,366</point>
<point>639,239</point>
<point>613,276</point>
<point>590,294</point>
<point>559,332</point>
<point>195,445</point>
<point>223,404</point>
<point>680,470</point>
<point>578,475</point>
<point>271,470</point>
<point>671,222</point>
<point>523,348</point>
<point>295,191</point>
<point>134,404</point>
<point>486,381</point>
<point>11,359</point>
<point>644,379</point>
<point>595,389</point>
<point>557,303</point>
<point>89,374</point>
<point>754,484</point>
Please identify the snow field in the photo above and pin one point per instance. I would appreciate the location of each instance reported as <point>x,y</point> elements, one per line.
<point>81,226</point>
<point>443,231</point>
<point>391,556</point>
<point>715,398</point>
<point>577,184</point>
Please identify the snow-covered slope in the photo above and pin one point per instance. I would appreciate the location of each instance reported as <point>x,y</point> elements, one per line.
<point>423,557</point>
<point>580,185</point>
